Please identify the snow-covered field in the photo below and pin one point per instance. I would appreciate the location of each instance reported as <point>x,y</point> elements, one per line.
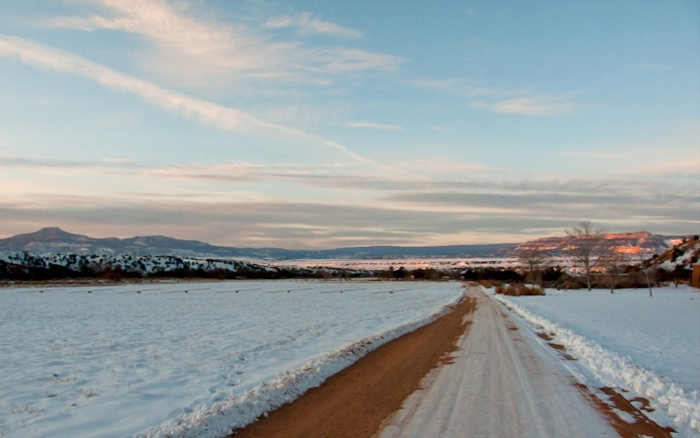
<point>408,263</point>
<point>118,363</point>
<point>649,346</point>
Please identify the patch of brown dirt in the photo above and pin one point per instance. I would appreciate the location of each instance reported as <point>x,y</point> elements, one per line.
<point>556,346</point>
<point>545,336</point>
<point>642,426</point>
<point>644,402</point>
<point>355,402</point>
<point>559,347</point>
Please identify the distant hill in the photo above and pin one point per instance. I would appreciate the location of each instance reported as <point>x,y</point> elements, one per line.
<point>56,241</point>
<point>632,243</point>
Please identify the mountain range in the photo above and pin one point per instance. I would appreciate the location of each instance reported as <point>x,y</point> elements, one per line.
<point>54,241</point>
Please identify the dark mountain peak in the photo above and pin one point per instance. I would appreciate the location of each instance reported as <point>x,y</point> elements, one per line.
<point>55,240</point>
<point>52,233</point>
<point>44,235</point>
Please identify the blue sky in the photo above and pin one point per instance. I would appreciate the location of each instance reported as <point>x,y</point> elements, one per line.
<point>320,124</point>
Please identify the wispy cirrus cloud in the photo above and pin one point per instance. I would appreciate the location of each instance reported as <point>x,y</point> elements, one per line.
<point>222,117</point>
<point>523,101</point>
<point>307,24</point>
<point>175,33</point>
<point>418,174</point>
<point>458,86</point>
<point>204,52</point>
<point>14,161</point>
<point>371,125</point>
<point>529,106</point>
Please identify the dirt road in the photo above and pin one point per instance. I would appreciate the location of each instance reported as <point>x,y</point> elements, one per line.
<point>501,384</point>
<point>488,379</point>
<point>355,402</point>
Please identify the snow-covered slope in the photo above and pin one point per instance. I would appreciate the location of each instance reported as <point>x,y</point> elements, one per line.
<point>683,256</point>
<point>649,346</point>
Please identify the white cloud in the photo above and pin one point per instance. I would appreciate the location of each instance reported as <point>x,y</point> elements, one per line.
<point>508,101</point>
<point>225,118</point>
<point>306,24</point>
<point>340,60</point>
<point>459,86</point>
<point>173,29</point>
<point>206,53</point>
<point>530,106</point>
<point>371,125</point>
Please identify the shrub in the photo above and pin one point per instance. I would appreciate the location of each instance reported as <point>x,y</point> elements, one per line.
<point>519,289</point>
<point>488,284</point>
<point>571,284</point>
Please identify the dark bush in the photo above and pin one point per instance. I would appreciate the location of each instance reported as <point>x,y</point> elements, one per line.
<point>519,289</point>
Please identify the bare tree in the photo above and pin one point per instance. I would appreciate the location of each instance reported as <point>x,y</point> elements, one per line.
<point>588,247</point>
<point>648,270</point>
<point>533,259</point>
<point>614,263</point>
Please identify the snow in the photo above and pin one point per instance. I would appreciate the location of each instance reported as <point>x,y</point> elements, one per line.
<point>408,263</point>
<point>684,259</point>
<point>649,346</point>
<point>118,363</point>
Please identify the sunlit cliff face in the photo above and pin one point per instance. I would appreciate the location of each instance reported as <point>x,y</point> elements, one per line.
<point>640,242</point>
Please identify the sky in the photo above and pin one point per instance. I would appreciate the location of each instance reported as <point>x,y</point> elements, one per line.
<point>325,124</point>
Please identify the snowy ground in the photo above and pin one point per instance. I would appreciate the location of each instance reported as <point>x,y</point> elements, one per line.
<point>408,263</point>
<point>162,362</point>
<point>649,346</point>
